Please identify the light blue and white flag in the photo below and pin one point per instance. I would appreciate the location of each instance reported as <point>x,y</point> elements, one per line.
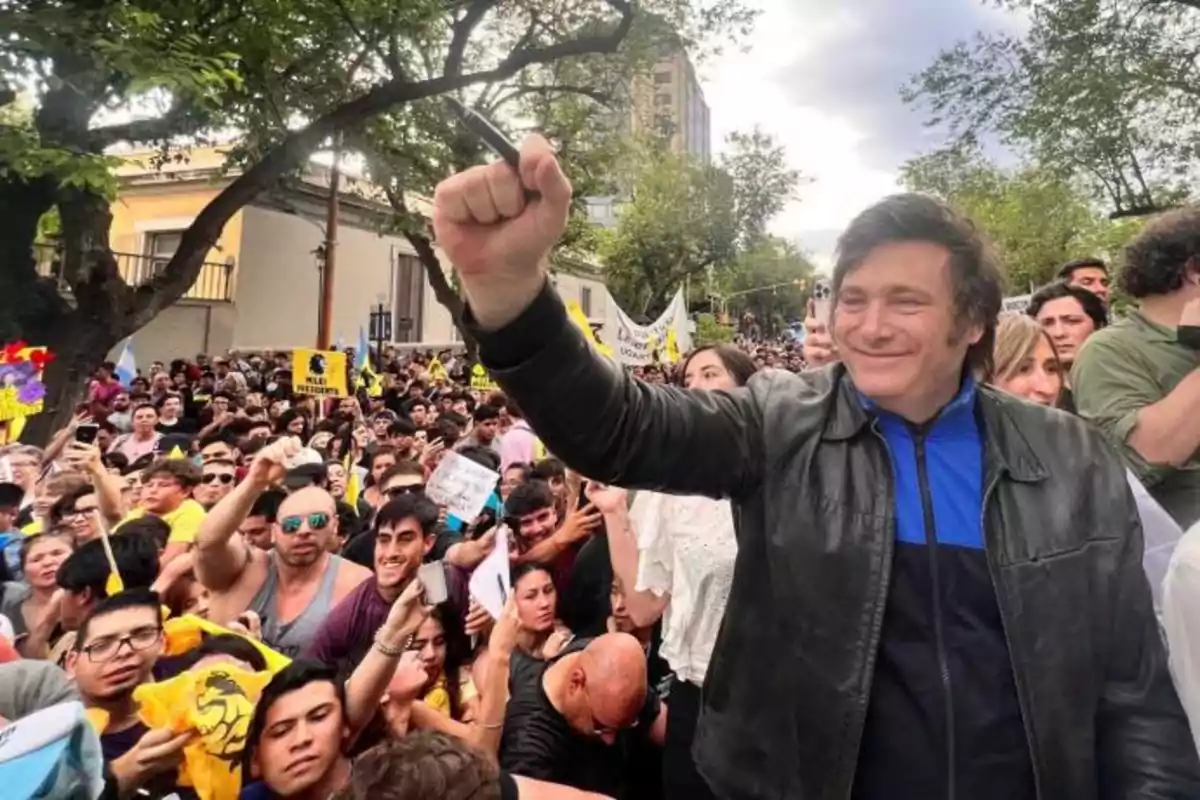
<point>126,364</point>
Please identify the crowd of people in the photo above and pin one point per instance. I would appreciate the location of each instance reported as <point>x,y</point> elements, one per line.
<point>903,559</point>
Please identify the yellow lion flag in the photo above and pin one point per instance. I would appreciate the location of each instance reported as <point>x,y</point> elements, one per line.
<point>575,312</point>
<point>672,355</point>
<point>217,702</point>
<point>184,634</point>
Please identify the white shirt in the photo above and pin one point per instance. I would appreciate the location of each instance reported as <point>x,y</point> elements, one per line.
<point>687,549</point>
<point>1181,624</point>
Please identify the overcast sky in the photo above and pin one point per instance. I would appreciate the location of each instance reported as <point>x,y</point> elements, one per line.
<point>823,79</point>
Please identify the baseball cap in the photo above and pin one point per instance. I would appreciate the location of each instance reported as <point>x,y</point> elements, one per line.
<point>51,753</point>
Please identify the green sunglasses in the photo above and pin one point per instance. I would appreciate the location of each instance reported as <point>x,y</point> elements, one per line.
<point>317,521</point>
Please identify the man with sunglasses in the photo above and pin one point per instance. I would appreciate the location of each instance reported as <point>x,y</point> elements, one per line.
<point>293,586</point>
<point>217,478</point>
<point>573,719</point>
<point>114,653</point>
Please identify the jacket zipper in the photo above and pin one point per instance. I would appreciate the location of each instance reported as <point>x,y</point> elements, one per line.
<point>1001,601</point>
<point>935,587</point>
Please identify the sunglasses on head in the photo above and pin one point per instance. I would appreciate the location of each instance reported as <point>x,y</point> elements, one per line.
<point>213,477</point>
<point>317,521</point>
<point>400,491</point>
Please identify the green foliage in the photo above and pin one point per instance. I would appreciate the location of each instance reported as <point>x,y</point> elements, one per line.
<point>773,281</point>
<point>1037,219</point>
<point>1103,92</point>
<point>709,331</point>
<point>687,219</point>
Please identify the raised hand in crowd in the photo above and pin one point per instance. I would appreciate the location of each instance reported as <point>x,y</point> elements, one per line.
<point>497,239</point>
<point>271,463</point>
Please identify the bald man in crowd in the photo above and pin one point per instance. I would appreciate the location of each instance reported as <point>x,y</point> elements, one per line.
<point>575,718</point>
<point>291,587</point>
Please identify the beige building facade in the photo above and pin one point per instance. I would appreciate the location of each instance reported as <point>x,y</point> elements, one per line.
<point>261,287</point>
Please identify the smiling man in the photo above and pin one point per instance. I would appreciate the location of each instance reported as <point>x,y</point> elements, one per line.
<point>293,586</point>
<point>405,531</point>
<point>939,589</point>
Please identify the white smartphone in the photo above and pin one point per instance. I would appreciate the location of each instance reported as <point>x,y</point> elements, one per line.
<point>823,301</point>
<point>433,578</point>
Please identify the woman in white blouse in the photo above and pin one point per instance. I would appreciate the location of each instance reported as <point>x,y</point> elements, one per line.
<point>678,555</point>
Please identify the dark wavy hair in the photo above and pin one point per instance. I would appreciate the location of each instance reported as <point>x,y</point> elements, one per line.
<point>737,363</point>
<point>1159,259</point>
<point>975,269</point>
<point>1092,305</point>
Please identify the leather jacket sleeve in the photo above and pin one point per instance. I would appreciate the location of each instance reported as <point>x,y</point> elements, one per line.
<point>612,428</point>
<point>1144,747</point>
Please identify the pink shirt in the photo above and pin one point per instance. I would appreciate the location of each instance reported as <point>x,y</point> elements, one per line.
<point>133,448</point>
<point>518,446</point>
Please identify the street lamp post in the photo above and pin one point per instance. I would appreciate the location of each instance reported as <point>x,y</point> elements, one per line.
<point>381,328</point>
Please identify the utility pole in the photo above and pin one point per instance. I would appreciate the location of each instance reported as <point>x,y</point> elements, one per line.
<point>325,321</point>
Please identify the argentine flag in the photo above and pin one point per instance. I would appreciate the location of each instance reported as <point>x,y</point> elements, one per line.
<point>126,365</point>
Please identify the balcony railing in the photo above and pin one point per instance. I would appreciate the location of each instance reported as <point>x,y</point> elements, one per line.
<point>213,284</point>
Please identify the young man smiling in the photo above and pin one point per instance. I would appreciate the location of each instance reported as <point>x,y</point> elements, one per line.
<point>939,589</point>
<point>405,530</point>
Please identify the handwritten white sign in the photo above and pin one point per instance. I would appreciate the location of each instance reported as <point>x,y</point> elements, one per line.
<point>1016,304</point>
<point>462,486</point>
<point>489,583</point>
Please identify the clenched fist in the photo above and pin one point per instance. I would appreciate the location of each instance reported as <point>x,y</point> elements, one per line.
<point>498,238</point>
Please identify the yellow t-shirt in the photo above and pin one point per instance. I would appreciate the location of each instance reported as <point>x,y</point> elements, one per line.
<point>34,528</point>
<point>183,521</point>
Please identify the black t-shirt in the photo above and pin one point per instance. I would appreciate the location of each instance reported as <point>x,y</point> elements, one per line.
<point>183,426</point>
<point>539,743</point>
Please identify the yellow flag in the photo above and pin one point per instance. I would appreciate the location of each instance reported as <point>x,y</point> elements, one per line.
<point>575,312</point>
<point>353,485</point>
<point>217,702</point>
<point>437,372</point>
<point>672,347</point>
<point>176,454</point>
<point>184,634</point>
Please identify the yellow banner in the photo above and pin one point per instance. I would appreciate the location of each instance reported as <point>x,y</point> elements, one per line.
<point>319,372</point>
<point>21,390</point>
<point>481,381</point>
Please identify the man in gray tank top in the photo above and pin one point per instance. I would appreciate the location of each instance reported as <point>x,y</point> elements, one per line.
<point>292,586</point>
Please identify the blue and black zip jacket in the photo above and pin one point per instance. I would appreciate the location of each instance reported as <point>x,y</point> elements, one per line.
<point>944,720</point>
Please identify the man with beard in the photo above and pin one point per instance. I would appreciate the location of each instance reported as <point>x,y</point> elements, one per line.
<point>291,587</point>
<point>405,530</point>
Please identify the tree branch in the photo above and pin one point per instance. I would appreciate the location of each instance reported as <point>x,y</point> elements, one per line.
<point>463,27</point>
<point>524,90</point>
<point>183,268</point>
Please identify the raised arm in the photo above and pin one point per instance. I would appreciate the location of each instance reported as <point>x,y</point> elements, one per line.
<point>220,556</point>
<point>586,410</point>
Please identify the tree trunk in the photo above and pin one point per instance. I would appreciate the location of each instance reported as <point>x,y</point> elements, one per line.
<point>78,348</point>
<point>30,305</point>
<point>443,292</point>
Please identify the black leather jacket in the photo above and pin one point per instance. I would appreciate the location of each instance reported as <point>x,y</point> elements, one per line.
<point>787,690</point>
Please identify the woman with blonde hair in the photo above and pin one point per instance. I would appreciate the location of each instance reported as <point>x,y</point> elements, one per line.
<point>1025,362</point>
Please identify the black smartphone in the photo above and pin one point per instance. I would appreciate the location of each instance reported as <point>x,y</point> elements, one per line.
<point>87,432</point>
